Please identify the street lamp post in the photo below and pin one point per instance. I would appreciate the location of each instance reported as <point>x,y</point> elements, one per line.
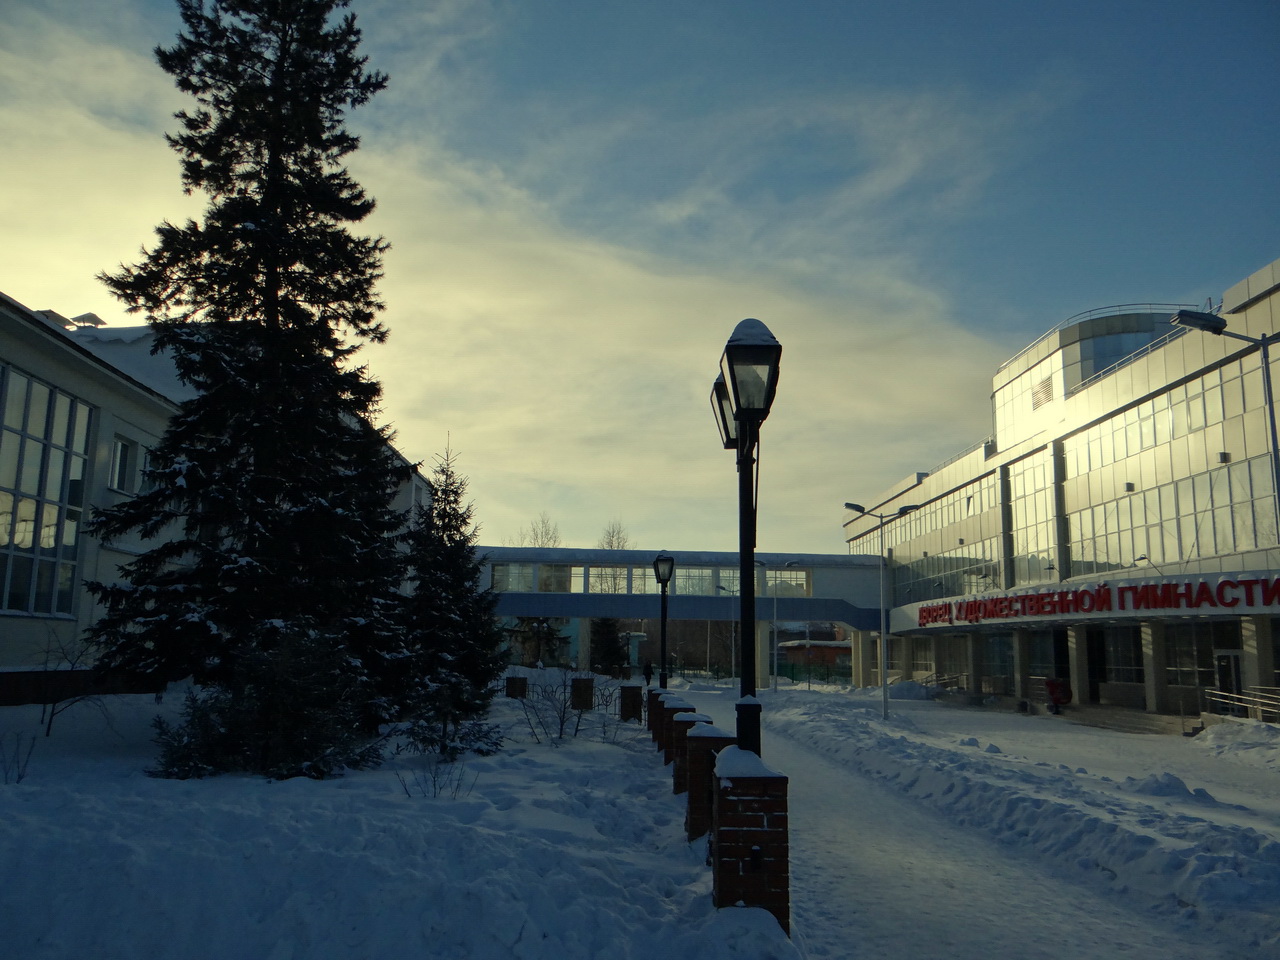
<point>663,567</point>
<point>741,398</point>
<point>884,610</point>
<point>1212,323</point>
<point>773,623</point>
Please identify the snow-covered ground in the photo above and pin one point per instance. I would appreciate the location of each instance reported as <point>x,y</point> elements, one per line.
<point>980,833</point>
<point>944,833</point>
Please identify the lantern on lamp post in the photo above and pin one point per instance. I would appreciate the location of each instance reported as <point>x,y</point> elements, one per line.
<point>741,398</point>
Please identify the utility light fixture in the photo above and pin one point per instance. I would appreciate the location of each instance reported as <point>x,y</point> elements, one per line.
<point>1196,320</point>
<point>663,567</point>
<point>884,610</point>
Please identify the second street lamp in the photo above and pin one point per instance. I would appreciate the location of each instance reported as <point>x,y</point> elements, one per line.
<point>741,398</point>
<point>884,610</point>
<point>663,567</point>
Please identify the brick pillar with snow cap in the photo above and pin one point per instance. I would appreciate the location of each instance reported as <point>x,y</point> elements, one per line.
<point>670,707</point>
<point>703,742</point>
<point>678,749</point>
<point>750,845</point>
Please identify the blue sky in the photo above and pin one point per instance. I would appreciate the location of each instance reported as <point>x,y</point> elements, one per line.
<point>583,198</point>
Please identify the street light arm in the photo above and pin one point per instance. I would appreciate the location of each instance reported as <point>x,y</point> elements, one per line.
<point>1240,336</point>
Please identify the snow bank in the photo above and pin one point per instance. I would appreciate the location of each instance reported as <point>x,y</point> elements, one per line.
<point>1171,847</point>
<point>553,850</point>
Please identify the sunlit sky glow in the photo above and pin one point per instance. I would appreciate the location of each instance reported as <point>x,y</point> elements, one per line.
<point>584,198</point>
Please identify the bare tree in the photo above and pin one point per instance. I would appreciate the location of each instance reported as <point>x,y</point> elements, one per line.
<point>615,537</point>
<point>541,532</point>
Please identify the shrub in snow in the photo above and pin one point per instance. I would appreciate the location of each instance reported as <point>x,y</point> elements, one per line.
<point>15,756</point>
<point>276,737</point>
<point>426,736</point>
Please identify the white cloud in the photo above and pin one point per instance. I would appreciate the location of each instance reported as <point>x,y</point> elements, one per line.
<point>570,373</point>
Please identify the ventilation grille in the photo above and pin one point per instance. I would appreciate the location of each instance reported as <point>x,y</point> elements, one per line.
<point>1042,394</point>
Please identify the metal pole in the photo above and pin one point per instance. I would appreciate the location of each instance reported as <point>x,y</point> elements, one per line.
<point>1269,399</point>
<point>884,630</point>
<point>662,646</point>
<point>748,710</point>
<point>775,635</point>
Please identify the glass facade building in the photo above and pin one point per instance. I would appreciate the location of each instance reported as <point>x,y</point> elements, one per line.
<point>1118,530</point>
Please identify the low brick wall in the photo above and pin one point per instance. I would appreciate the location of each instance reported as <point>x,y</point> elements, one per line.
<point>18,687</point>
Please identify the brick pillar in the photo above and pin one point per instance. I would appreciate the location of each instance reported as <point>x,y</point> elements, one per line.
<point>518,687</point>
<point>653,706</point>
<point>631,704</point>
<point>703,742</point>
<point>677,752</point>
<point>750,853</point>
<point>671,706</point>
<point>582,693</point>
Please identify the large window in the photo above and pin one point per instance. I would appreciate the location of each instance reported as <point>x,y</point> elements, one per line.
<point>43,469</point>
<point>787,583</point>
<point>1031,486</point>
<point>513,577</point>
<point>1189,650</point>
<point>1123,655</point>
<point>694,581</point>
<point>608,579</point>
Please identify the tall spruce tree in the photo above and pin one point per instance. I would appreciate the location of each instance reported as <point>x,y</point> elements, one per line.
<point>451,629</point>
<point>272,573</point>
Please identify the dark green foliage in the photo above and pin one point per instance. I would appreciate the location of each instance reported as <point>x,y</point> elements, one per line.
<point>427,735</point>
<point>538,640</point>
<point>454,645</point>
<point>271,572</point>
<point>607,649</point>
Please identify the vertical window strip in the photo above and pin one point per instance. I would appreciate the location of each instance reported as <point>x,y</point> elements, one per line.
<point>43,464</point>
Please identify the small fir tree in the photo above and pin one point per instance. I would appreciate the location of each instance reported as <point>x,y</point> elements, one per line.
<point>451,631</point>
<point>608,652</point>
<point>271,575</point>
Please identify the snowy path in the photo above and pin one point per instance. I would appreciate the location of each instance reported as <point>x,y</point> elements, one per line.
<point>876,875</point>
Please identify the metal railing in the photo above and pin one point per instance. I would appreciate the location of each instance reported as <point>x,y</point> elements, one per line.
<point>1117,310</point>
<point>1261,703</point>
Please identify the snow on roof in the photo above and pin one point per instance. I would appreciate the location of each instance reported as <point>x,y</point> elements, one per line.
<point>128,349</point>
